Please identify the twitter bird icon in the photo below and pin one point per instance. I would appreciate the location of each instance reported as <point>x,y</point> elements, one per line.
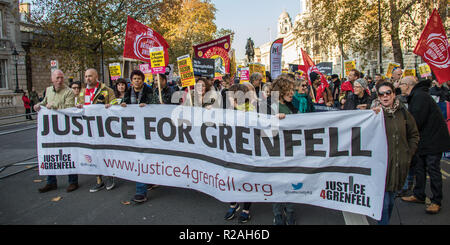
<point>297,186</point>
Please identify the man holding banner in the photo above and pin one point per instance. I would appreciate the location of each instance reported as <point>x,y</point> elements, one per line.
<point>142,95</point>
<point>96,93</point>
<point>58,96</point>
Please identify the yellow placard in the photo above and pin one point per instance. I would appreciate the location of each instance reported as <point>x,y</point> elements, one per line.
<point>349,65</point>
<point>186,71</point>
<point>424,70</point>
<point>390,68</point>
<point>148,78</point>
<point>114,71</point>
<point>256,67</point>
<point>409,72</point>
<point>157,60</point>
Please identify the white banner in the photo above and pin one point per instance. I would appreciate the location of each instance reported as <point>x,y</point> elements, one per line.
<point>332,159</point>
<point>275,58</point>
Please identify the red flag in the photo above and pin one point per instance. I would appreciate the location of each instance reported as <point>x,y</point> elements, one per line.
<point>434,49</point>
<point>139,38</point>
<point>311,67</point>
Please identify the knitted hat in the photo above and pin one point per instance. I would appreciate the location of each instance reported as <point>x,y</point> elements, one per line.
<point>362,81</point>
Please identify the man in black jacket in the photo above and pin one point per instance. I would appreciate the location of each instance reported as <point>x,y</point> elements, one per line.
<point>166,90</point>
<point>434,140</point>
<point>140,94</point>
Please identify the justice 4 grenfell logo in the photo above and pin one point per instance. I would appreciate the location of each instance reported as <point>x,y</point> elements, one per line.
<point>346,192</point>
<point>296,188</point>
<point>58,161</point>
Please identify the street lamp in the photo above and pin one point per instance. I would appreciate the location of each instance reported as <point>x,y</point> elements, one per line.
<point>15,56</point>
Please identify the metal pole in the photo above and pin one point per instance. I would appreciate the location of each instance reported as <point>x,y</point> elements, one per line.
<point>17,80</point>
<point>380,38</point>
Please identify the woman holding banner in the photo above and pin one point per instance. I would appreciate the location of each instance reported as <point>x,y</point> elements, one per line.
<point>402,137</point>
<point>283,212</point>
<point>241,97</point>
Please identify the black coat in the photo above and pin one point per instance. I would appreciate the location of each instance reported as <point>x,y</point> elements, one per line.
<point>353,100</point>
<point>434,136</point>
<point>147,97</point>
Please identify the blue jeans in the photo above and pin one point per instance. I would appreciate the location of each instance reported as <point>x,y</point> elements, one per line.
<point>141,189</point>
<point>388,206</point>
<point>73,179</point>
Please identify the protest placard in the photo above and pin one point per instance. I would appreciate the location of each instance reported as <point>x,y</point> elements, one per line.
<point>349,65</point>
<point>203,67</point>
<point>424,70</point>
<point>146,69</point>
<point>257,67</point>
<point>186,71</point>
<point>390,68</point>
<point>158,64</point>
<point>245,75</point>
<point>114,71</point>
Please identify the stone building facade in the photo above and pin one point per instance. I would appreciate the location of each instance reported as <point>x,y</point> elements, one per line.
<point>12,80</point>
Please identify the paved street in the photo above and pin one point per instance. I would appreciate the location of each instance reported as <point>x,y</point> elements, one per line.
<point>21,204</point>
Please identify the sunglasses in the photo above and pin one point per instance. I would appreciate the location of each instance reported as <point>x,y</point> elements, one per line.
<point>75,87</point>
<point>388,92</point>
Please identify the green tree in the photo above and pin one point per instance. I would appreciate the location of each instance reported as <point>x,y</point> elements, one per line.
<point>75,31</point>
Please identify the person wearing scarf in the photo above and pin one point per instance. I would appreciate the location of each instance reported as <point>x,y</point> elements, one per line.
<point>302,101</point>
<point>402,138</point>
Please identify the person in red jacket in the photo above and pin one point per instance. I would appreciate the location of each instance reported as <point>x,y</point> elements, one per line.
<point>26,104</point>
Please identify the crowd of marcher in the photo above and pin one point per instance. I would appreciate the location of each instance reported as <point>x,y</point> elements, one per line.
<point>416,130</point>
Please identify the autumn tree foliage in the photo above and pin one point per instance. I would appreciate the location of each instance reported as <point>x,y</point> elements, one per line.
<point>75,31</point>
<point>352,25</point>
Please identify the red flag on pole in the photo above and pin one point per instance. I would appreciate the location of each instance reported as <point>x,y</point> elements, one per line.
<point>311,67</point>
<point>434,49</point>
<point>139,39</point>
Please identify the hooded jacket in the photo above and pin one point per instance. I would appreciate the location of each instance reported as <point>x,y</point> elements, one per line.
<point>434,136</point>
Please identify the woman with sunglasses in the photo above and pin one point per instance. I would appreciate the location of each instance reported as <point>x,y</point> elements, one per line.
<point>301,100</point>
<point>402,137</point>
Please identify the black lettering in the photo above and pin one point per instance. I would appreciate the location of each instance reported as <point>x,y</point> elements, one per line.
<point>56,128</point>
<point>184,131</point>
<point>212,143</point>
<point>101,132</point>
<point>334,144</point>
<point>240,140</point>
<point>225,138</point>
<point>356,144</point>
<point>272,148</point>
<point>289,143</point>
<point>108,122</point>
<point>88,123</point>
<point>160,126</point>
<point>45,124</point>
<point>77,125</point>
<point>310,141</point>
<point>126,128</point>
<point>147,128</point>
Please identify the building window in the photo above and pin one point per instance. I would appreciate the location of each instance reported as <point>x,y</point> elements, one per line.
<point>3,74</point>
